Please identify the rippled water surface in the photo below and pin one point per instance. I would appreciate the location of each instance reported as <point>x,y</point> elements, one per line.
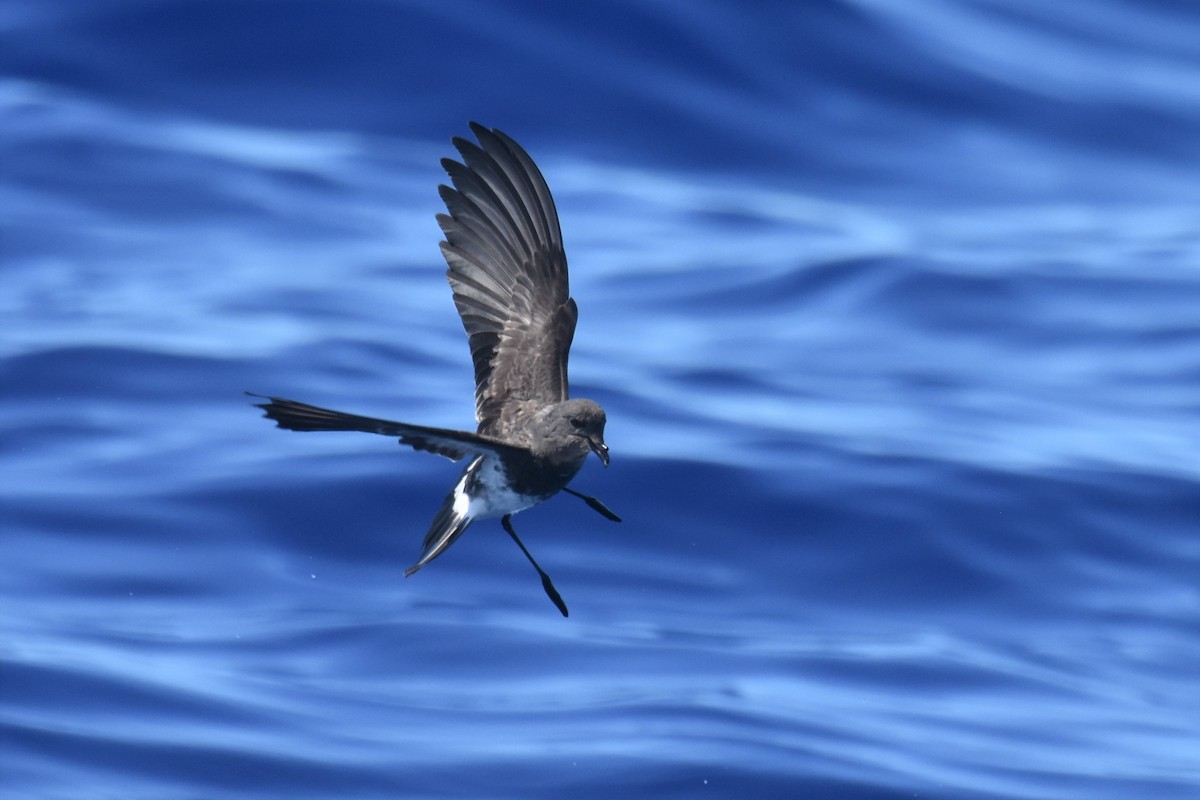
<point>894,309</point>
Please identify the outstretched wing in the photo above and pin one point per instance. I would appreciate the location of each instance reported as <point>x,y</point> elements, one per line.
<point>508,272</point>
<point>454,445</point>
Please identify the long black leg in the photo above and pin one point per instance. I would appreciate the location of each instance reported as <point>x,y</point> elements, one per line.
<point>594,503</point>
<point>547,584</point>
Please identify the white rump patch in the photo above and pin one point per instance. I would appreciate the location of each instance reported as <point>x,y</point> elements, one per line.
<point>495,499</point>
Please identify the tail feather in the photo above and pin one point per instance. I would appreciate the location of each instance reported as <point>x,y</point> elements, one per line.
<point>452,519</point>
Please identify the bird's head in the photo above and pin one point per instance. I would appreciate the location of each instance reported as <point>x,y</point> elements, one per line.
<point>585,419</point>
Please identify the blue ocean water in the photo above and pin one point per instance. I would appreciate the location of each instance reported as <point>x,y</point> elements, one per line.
<point>894,308</point>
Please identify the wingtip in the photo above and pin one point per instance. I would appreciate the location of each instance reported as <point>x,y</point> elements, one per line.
<point>265,405</point>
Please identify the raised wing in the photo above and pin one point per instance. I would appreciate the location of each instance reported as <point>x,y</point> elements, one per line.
<point>508,272</point>
<point>454,445</point>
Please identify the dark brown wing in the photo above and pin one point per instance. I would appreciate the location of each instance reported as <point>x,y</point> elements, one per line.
<point>454,445</point>
<point>508,272</point>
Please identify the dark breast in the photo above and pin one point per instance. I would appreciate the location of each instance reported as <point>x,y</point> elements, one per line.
<point>540,477</point>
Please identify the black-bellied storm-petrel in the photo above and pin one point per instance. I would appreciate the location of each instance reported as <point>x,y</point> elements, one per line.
<point>508,272</point>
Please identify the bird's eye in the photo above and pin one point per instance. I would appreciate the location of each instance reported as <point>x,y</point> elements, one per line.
<point>576,422</point>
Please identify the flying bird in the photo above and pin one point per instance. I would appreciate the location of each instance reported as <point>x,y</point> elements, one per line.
<point>508,274</point>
